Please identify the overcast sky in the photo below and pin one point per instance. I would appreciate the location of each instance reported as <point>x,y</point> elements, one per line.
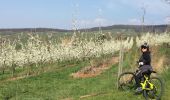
<point>89,13</point>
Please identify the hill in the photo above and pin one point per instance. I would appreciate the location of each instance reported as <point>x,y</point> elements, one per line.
<point>136,28</point>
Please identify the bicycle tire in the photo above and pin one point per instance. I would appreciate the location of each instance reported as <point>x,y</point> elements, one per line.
<point>121,86</point>
<point>158,97</point>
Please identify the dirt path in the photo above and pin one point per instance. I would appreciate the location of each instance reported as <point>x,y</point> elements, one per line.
<point>93,94</point>
<point>157,60</point>
<point>92,71</point>
<point>38,72</point>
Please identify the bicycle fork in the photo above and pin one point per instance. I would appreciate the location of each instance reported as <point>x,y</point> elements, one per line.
<point>145,83</point>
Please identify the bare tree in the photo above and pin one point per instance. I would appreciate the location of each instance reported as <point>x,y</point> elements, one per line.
<point>100,23</point>
<point>75,22</point>
<point>168,27</point>
<point>143,17</point>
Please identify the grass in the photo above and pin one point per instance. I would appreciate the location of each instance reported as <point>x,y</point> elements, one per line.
<point>164,50</point>
<point>57,84</point>
<point>166,77</point>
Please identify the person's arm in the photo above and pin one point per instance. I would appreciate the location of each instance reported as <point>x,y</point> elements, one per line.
<point>140,62</point>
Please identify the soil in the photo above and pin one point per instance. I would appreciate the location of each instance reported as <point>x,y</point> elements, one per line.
<point>95,70</point>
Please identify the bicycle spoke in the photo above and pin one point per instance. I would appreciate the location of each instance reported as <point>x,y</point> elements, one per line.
<point>126,81</point>
<point>156,93</point>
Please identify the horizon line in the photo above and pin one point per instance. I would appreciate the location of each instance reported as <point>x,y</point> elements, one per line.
<point>83,28</point>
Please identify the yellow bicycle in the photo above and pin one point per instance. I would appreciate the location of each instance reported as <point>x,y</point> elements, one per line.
<point>152,87</point>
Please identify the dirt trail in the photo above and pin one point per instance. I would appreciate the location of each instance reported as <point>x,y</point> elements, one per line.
<point>94,94</point>
<point>95,70</point>
<point>36,73</point>
<point>158,61</point>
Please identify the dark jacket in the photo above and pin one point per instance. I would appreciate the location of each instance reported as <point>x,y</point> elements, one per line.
<point>146,68</point>
<point>145,58</point>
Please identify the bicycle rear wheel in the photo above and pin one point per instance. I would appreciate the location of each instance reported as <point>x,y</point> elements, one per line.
<point>157,91</point>
<point>126,81</point>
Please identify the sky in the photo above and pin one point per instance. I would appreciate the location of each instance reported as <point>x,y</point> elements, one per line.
<point>64,14</point>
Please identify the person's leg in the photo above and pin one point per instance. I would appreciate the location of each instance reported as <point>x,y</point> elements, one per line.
<point>138,79</point>
<point>146,70</point>
<point>145,73</point>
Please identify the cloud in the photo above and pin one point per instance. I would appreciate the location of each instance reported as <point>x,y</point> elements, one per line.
<point>168,1</point>
<point>167,20</point>
<point>100,21</point>
<point>94,23</point>
<point>152,7</point>
<point>134,21</point>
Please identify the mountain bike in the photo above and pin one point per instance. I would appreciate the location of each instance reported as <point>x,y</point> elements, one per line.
<point>152,87</point>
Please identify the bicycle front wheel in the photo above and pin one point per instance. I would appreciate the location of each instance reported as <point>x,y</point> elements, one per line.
<point>156,92</point>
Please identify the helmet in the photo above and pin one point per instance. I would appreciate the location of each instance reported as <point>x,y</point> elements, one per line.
<point>145,45</point>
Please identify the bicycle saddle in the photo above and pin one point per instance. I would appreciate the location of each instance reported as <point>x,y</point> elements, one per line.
<point>153,71</point>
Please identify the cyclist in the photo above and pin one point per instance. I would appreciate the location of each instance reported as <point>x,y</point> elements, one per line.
<point>144,66</point>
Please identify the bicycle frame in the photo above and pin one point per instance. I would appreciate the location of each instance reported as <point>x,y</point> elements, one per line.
<point>152,87</point>
<point>145,83</point>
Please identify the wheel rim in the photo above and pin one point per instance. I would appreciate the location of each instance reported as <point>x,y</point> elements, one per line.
<point>156,93</point>
<point>126,81</point>
<point>158,89</point>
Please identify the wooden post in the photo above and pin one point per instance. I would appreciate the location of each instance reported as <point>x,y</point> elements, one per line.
<point>121,52</point>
